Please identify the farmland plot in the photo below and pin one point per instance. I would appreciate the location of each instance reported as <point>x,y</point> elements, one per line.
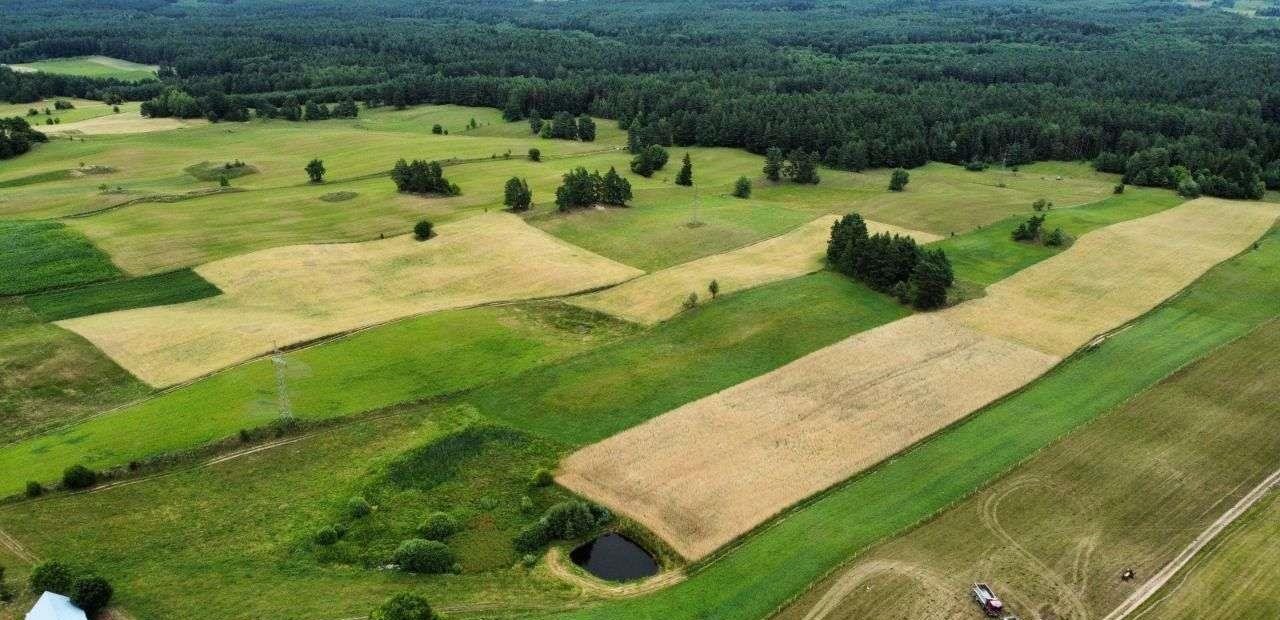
<point>294,294</point>
<point>714,469</point>
<point>658,296</point>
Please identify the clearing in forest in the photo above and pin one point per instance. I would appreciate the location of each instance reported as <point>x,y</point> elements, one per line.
<point>91,66</point>
<point>659,296</point>
<point>710,471</point>
<point>288,295</point>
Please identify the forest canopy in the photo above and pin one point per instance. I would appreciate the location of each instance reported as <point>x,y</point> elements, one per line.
<point>873,83</point>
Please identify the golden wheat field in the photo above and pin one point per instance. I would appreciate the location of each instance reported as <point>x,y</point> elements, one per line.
<point>1113,275</point>
<point>293,294</point>
<point>659,296</point>
<point>710,471</point>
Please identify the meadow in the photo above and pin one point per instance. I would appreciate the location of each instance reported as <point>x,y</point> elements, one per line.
<point>91,66</point>
<point>84,109</point>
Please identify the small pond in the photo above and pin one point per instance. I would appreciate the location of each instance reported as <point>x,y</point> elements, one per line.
<point>614,557</point>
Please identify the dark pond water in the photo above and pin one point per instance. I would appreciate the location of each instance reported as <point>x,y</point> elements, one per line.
<point>614,557</point>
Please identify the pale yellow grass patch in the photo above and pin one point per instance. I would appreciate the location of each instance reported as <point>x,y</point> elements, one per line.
<point>299,293</point>
<point>121,124</point>
<point>659,296</point>
<point>710,471</point>
<point>1115,274</point>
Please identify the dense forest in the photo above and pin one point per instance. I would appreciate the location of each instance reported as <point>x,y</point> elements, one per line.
<point>1163,92</point>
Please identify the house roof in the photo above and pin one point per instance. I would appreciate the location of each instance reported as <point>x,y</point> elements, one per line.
<point>55,607</point>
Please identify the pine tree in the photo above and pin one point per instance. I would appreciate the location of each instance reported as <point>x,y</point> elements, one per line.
<point>516,195</point>
<point>315,170</point>
<point>742,188</point>
<point>535,122</point>
<point>685,176</point>
<point>773,164</point>
<point>898,180</point>
<point>586,129</point>
<point>615,190</point>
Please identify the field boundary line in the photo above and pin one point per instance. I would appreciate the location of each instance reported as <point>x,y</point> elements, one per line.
<point>1188,553</point>
<point>9,542</point>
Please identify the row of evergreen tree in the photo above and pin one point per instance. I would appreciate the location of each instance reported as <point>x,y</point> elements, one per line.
<point>584,189</point>
<point>892,264</point>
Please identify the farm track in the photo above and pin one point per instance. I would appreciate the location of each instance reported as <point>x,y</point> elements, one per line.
<point>1157,581</point>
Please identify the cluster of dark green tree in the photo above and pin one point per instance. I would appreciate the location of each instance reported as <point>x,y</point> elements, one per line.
<point>797,166</point>
<point>1032,231</point>
<point>562,126</point>
<point>87,591</point>
<point>422,177</point>
<point>891,264</point>
<point>1191,167</point>
<point>516,195</point>
<point>880,83</point>
<point>583,189</point>
<point>17,136</point>
<point>568,520</point>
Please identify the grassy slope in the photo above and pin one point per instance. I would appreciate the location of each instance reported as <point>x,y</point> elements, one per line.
<point>158,290</point>
<point>753,579</point>
<point>50,376</point>
<point>1142,482</point>
<point>1237,577</point>
<point>85,109</point>
<point>35,256</point>
<point>412,359</point>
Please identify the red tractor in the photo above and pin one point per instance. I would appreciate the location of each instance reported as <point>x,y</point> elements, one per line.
<point>987,600</point>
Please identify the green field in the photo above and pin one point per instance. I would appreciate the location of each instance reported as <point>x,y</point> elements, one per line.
<point>92,66</point>
<point>1236,577</point>
<point>785,557</point>
<point>84,109</point>
<point>36,256</point>
<point>417,358</point>
<point>158,290</point>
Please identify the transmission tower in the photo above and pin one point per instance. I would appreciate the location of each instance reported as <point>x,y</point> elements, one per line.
<point>282,390</point>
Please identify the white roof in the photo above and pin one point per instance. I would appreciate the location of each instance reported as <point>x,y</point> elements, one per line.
<point>55,607</point>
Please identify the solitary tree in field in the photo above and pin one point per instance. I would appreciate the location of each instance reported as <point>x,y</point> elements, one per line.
<point>517,195</point>
<point>404,606</point>
<point>315,170</point>
<point>586,129</point>
<point>773,164</point>
<point>898,180</point>
<point>714,289</point>
<point>685,176</point>
<point>650,159</point>
<point>535,155</point>
<point>423,230</point>
<point>742,188</point>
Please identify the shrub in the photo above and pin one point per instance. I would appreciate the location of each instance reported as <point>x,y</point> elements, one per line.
<point>1189,188</point>
<point>690,302</point>
<point>34,489</point>
<point>91,594</point>
<point>542,478</point>
<point>976,166</point>
<point>327,535</point>
<point>404,606</point>
<point>424,556</point>
<point>51,576</point>
<point>79,477</point>
<point>526,504</point>
<point>535,155</point>
<point>714,289</point>
<point>438,526</point>
<point>898,180</point>
<point>1119,189</point>
<point>532,537</point>
<point>423,230</point>
<point>1041,204</point>
<point>437,129</point>
<point>315,170</point>
<point>358,507</point>
<point>529,560</point>
<point>742,188</point>
<point>1055,239</point>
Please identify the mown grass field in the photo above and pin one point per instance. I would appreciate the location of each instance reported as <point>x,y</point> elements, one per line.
<point>1236,577</point>
<point>84,109</point>
<point>766,570</point>
<point>1128,491</point>
<point>92,66</point>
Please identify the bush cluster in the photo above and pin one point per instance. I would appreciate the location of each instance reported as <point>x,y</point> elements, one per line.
<point>422,177</point>
<point>891,264</point>
<point>566,520</point>
<point>583,189</point>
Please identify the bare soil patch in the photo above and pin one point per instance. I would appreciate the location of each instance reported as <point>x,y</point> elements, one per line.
<point>294,294</point>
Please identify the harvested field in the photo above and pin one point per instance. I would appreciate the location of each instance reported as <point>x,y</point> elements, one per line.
<point>658,296</point>
<point>294,294</point>
<point>1114,274</point>
<point>121,124</point>
<point>712,470</point>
